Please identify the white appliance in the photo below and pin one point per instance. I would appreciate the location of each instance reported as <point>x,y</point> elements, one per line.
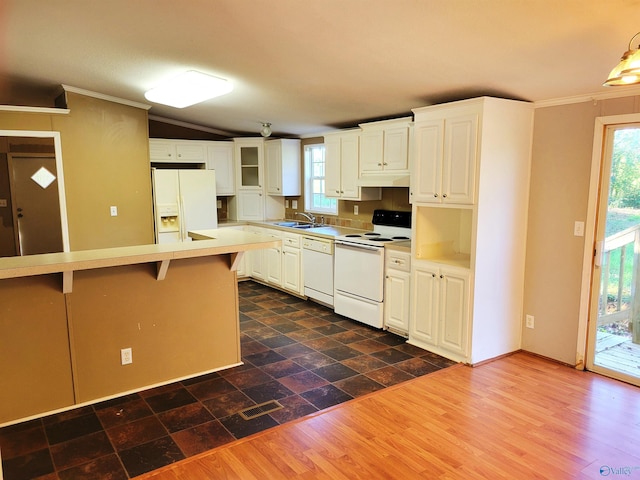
<point>183,200</point>
<point>359,267</point>
<point>317,262</point>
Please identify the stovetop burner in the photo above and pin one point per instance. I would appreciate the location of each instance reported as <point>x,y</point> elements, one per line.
<point>388,226</point>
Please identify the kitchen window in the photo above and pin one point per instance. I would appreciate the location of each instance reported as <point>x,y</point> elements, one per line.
<point>315,200</point>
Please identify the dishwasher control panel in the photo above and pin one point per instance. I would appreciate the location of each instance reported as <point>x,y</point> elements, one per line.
<point>318,245</point>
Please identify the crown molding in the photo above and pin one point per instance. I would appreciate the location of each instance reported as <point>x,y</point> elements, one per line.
<point>21,109</point>
<point>102,96</point>
<point>612,92</point>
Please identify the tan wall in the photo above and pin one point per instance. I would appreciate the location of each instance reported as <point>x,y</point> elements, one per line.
<point>561,168</point>
<point>106,162</point>
<point>34,347</point>
<point>57,349</point>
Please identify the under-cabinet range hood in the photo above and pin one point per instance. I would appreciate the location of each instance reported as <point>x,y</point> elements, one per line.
<point>384,181</point>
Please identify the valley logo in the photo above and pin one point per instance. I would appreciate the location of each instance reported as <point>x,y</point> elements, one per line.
<point>606,470</point>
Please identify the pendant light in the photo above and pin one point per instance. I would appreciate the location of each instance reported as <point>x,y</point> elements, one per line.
<point>627,72</point>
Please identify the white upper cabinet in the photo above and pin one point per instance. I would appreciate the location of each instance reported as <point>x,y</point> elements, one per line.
<point>252,201</point>
<point>384,147</point>
<point>342,150</point>
<point>446,152</point>
<point>220,159</point>
<point>249,154</point>
<point>176,151</point>
<point>282,163</point>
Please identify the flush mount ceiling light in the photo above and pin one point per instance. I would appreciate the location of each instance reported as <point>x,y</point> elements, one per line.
<point>627,72</point>
<point>188,88</point>
<point>266,130</point>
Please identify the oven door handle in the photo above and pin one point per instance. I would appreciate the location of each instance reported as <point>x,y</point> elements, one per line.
<point>358,246</point>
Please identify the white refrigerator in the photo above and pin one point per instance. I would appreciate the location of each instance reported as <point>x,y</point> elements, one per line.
<point>183,200</point>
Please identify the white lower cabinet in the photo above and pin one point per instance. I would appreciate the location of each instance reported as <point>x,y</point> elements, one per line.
<point>292,263</point>
<point>273,261</point>
<point>440,309</point>
<point>278,266</point>
<point>397,290</point>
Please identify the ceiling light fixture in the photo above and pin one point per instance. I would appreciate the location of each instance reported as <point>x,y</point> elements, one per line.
<point>627,72</point>
<point>266,130</point>
<point>187,89</point>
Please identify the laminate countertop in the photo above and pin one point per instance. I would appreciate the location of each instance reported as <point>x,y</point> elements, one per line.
<point>219,242</point>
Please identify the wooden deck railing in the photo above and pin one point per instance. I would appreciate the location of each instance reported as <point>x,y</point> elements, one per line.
<point>612,244</point>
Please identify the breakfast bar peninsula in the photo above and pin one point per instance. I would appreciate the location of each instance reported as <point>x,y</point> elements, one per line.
<point>66,318</point>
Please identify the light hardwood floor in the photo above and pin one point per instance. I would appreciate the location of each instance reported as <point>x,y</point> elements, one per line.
<point>517,417</point>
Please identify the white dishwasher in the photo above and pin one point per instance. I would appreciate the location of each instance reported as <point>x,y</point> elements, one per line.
<point>317,264</point>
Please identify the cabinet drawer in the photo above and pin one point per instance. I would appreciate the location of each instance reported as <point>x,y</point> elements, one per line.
<point>291,240</point>
<point>398,260</point>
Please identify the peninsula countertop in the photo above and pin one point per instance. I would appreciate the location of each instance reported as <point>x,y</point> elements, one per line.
<point>218,242</point>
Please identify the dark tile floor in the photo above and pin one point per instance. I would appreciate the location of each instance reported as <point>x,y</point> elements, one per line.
<point>297,352</point>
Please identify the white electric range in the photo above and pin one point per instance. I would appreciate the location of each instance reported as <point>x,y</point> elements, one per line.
<point>359,267</point>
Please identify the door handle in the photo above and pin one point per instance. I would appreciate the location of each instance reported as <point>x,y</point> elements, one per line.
<point>597,253</point>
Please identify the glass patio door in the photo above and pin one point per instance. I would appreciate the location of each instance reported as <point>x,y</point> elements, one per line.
<point>614,320</point>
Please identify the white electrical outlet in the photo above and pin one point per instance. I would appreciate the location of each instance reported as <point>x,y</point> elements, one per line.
<point>578,229</point>
<point>218,203</point>
<point>126,356</point>
<point>286,203</point>
<point>114,210</point>
<point>294,204</point>
<point>530,321</point>
<point>3,202</point>
<point>355,209</point>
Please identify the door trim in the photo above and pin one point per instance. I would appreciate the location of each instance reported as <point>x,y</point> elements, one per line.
<point>57,144</point>
<point>601,123</point>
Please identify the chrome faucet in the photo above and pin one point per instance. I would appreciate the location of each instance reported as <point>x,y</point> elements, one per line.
<point>308,216</point>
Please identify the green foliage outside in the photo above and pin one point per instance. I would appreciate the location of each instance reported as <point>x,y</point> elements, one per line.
<point>624,191</point>
<point>623,213</point>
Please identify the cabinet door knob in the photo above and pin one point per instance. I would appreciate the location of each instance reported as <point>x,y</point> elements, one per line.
<point>385,163</point>
<point>379,164</point>
<point>435,195</point>
<point>433,275</point>
<point>444,195</point>
<point>441,276</point>
<point>337,191</point>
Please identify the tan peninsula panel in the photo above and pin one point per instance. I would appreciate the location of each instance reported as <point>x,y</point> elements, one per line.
<point>35,374</point>
<point>177,327</point>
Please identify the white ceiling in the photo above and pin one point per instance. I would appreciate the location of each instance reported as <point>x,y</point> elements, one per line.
<point>309,65</point>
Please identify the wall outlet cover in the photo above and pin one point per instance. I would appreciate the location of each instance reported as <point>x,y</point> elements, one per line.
<point>126,356</point>
<point>530,321</point>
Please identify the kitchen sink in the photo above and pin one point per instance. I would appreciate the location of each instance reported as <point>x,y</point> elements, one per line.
<point>287,224</point>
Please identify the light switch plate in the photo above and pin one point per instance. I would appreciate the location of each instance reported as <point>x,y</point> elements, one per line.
<point>294,204</point>
<point>578,229</point>
<point>3,202</point>
<point>114,211</point>
<point>218,203</point>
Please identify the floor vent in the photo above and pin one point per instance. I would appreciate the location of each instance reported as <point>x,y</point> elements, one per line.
<point>258,410</point>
